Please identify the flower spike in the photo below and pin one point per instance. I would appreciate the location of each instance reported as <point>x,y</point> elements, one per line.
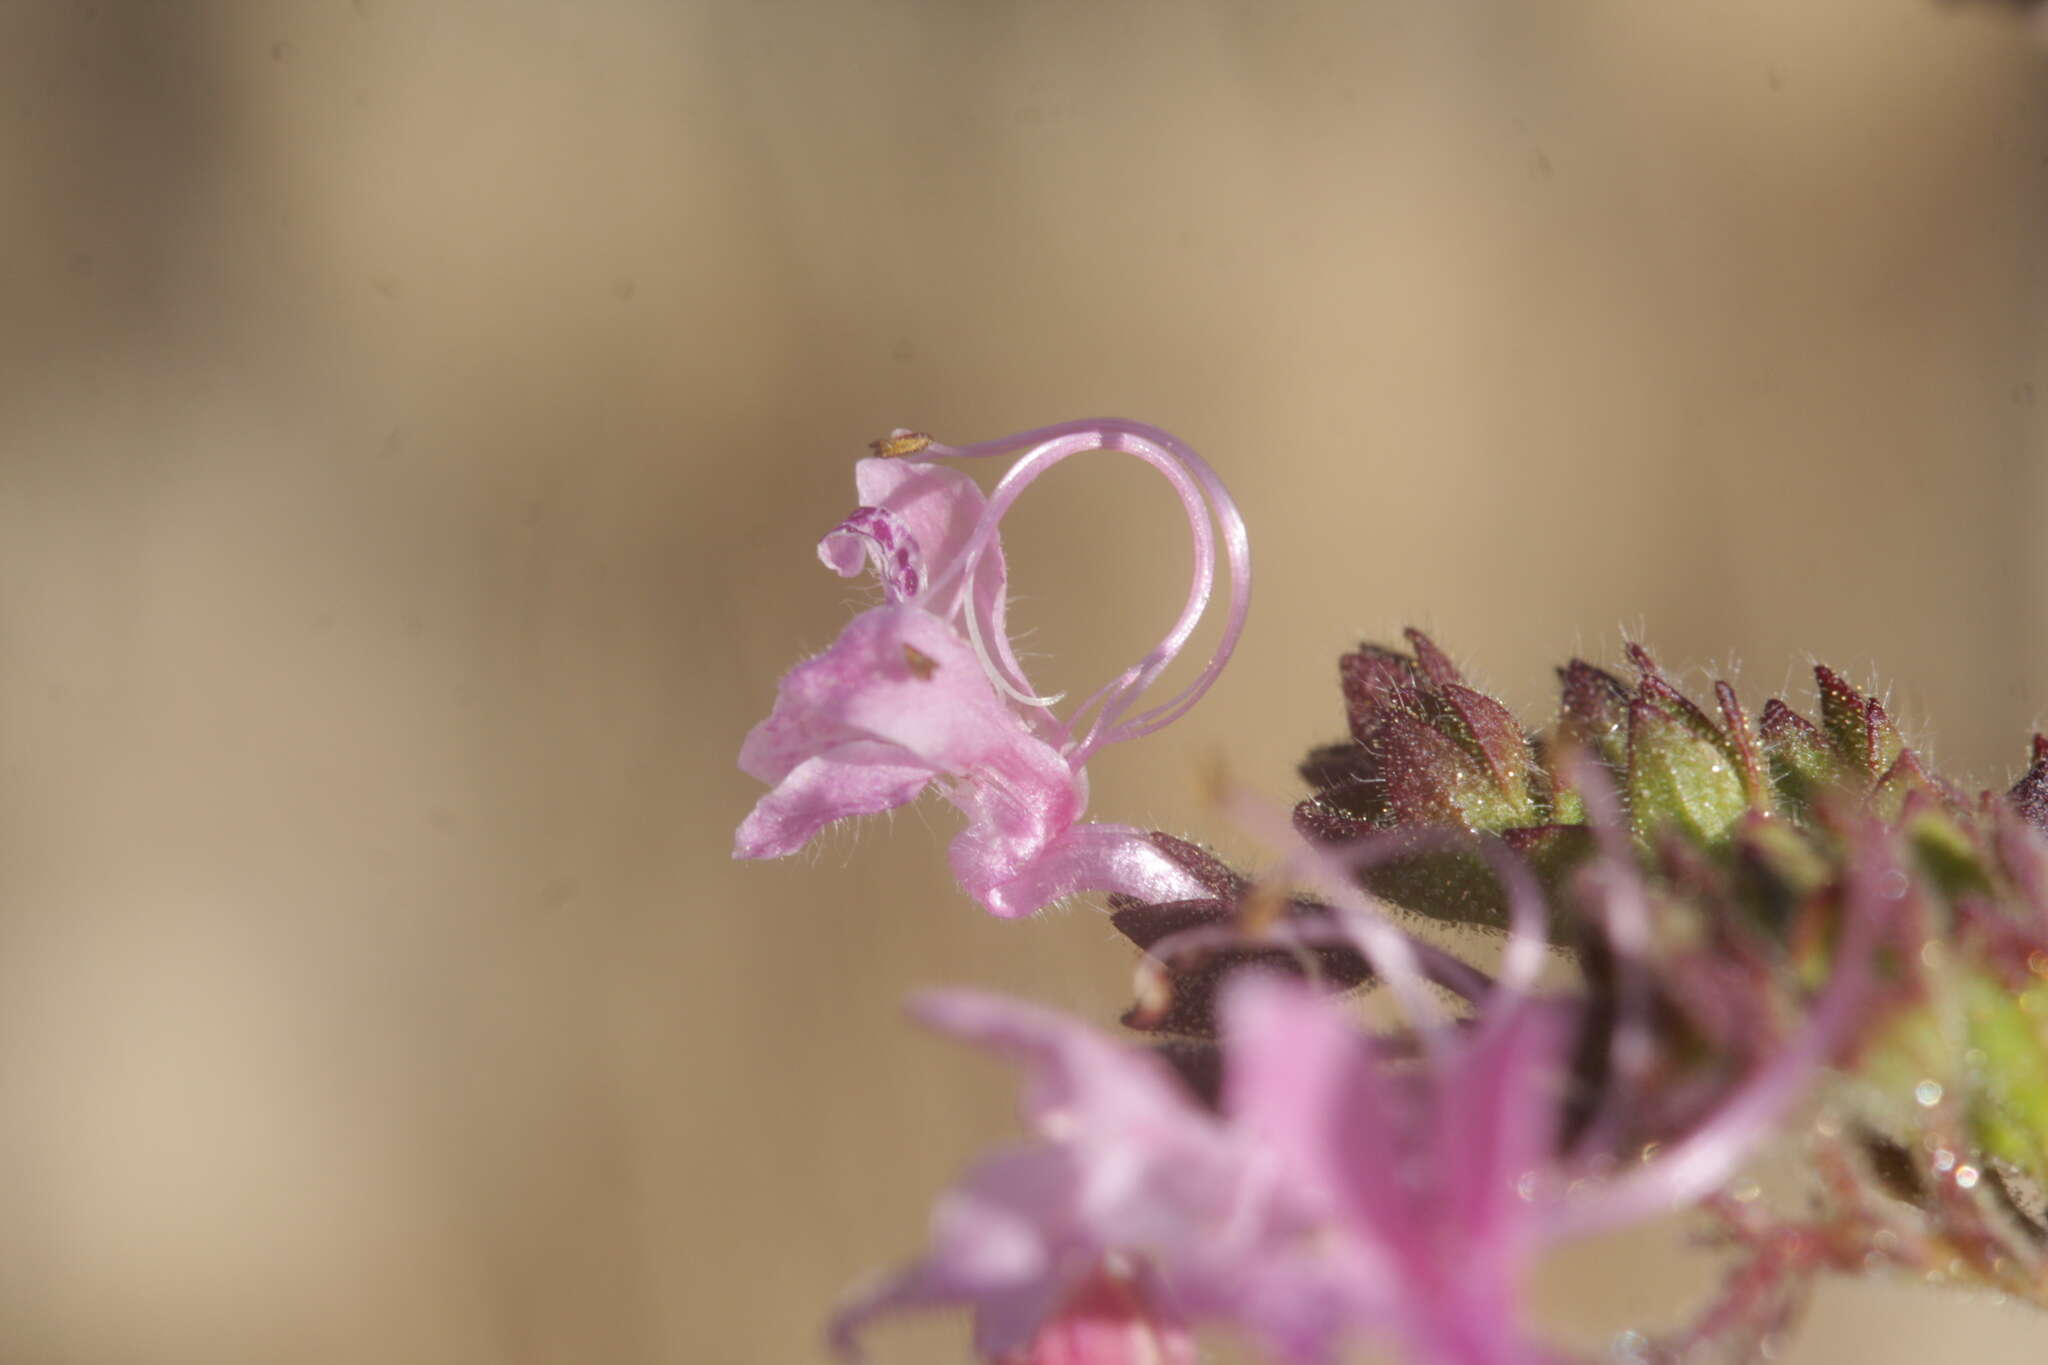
<point>1765,915</point>
<point>927,690</point>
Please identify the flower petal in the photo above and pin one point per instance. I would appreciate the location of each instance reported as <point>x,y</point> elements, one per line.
<point>1423,1165</point>
<point>1002,1242</point>
<point>1077,1078</point>
<point>860,778</point>
<point>901,676</point>
<point>878,538</point>
<point>1298,1072</point>
<point>1494,1120</point>
<point>1085,857</point>
<point>941,507</point>
<point>899,694</point>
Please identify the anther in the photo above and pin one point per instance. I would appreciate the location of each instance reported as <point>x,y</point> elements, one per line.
<point>899,443</point>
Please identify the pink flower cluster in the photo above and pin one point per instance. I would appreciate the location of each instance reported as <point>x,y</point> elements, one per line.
<point>1341,1186</point>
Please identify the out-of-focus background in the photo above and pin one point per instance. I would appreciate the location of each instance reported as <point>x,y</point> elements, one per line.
<point>415,421</point>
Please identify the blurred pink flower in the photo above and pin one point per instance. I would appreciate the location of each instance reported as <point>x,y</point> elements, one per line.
<point>1124,1166</point>
<point>927,690</point>
<point>1334,1196</point>
<point>1345,1186</point>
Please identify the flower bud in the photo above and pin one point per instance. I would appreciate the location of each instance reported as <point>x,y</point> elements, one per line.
<point>1595,711</point>
<point>1430,750</point>
<point>2029,795</point>
<point>1862,733</point>
<point>1804,765</point>
<point>1677,777</point>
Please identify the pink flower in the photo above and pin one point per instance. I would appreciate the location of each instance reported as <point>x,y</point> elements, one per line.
<point>1334,1195</point>
<point>1346,1187</point>
<point>1123,1167</point>
<point>926,690</point>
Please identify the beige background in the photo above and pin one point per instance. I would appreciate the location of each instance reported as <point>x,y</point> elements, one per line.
<point>416,419</point>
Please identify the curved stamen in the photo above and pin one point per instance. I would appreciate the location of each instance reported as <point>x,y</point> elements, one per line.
<point>1203,498</point>
<point>1093,437</point>
<point>1016,692</point>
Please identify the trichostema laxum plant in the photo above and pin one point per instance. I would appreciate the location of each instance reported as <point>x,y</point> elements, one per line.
<point>1765,924</point>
